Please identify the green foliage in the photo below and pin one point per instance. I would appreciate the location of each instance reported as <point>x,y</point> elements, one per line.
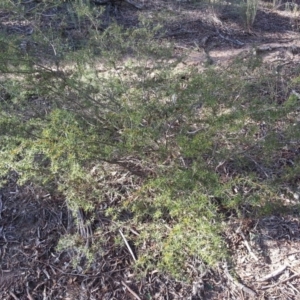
<point>251,11</point>
<point>109,117</point>
<point>186,221</point>
<point>243,9</point>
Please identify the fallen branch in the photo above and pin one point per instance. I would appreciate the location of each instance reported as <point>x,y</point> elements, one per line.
<point>13,295</point>
<point>136,5</point>
<point>106,2</point>
<point>280,282</point>
<point>131,291</point>
<point>28,294</point>
<point>293,288</point>
<point>273,274</point>
<point>236,42</point>
<point>238,284</point>
<point>293,48</point>
<point>179,32</point>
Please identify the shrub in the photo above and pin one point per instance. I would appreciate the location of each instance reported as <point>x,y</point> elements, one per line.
<point>113,122</point>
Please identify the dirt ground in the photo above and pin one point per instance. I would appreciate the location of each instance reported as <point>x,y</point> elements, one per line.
<point>265,262</point>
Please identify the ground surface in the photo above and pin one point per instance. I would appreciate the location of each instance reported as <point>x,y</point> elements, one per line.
<point>265,252</point>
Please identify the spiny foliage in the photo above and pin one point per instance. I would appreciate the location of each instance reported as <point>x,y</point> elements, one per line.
<point>109,117</point>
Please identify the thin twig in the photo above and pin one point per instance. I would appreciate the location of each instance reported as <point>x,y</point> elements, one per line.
<point>273,274</point>
<point>237,42</point>
<point>258,165</point>
<point>13,295</point>
<point>179,32</point>
<point>134,232</point>
<point>280,282</point>
<point>238,284</point>
<point>136,5</point>
<point>127,245</point>
<point>28,294</point>
<point>194,131</point>
<point>1,206</point>
<point>293,288</point>
<point>239,231</point>
<point>131,291</point>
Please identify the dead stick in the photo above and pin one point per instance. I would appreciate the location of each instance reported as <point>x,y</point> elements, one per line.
<point>131,291</point>
<point>127,245</point>
<point>293,288</point>
<point>283,281</point>
<point>273,274</point>
<point>28,294</point>
<point>13,295</point>
<point>239,231</point>
<point>240,285</point>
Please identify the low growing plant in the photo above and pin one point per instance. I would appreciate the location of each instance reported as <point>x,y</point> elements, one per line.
<point>120,131</point>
